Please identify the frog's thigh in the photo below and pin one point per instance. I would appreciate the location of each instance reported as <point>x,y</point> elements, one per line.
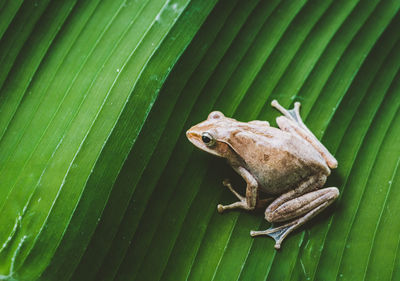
<point>302,205</point>
<point>285,124</point>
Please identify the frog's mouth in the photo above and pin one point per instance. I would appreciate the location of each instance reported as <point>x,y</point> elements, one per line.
<point>195,138</point>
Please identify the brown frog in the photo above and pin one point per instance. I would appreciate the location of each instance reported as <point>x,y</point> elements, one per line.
<point>289,164</point>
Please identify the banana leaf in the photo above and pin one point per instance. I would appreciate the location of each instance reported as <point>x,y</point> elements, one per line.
<point>98,180</point>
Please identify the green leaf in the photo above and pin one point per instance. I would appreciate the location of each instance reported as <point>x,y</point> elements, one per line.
<point>98,180</point>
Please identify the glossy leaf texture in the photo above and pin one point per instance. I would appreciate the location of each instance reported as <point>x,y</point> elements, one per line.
<point>98,180</point>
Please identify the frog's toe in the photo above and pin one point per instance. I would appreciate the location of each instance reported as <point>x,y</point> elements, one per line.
<point>253,233</point>
<point>226,182</point>
<point>220,208</point>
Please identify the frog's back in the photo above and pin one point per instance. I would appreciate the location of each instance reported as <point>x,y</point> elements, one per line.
<point>280,160</point>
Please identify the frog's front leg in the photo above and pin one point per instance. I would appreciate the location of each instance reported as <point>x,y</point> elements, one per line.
<point>249,202</point>
<point>292,122</point>
<point>298,205</point>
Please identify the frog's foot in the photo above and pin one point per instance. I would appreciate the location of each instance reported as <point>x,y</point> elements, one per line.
<point>228,184</point>
<point>250,201</point>
<point>239,204</point>
<point>292,114</point>
<point>242,204</point>
<point>278,233</point>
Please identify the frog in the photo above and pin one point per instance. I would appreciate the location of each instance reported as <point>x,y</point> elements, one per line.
<point>286,163</point>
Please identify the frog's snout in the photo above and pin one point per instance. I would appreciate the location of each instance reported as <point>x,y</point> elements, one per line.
<point>190,134</point>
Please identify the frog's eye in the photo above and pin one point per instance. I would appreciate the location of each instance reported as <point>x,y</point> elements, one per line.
<point>207,139</point>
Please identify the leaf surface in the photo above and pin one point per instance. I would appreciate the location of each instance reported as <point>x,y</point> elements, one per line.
<point>99,181</point>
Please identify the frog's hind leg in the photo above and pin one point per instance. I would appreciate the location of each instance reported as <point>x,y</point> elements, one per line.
<point>292,122</point>
<point>279,233</point>
<point>297,206</point>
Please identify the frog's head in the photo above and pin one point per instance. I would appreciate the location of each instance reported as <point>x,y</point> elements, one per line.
<point>210,135</point>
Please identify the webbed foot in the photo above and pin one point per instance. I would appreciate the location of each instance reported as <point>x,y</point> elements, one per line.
<point>293,114</point>
<point>277,233</point>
